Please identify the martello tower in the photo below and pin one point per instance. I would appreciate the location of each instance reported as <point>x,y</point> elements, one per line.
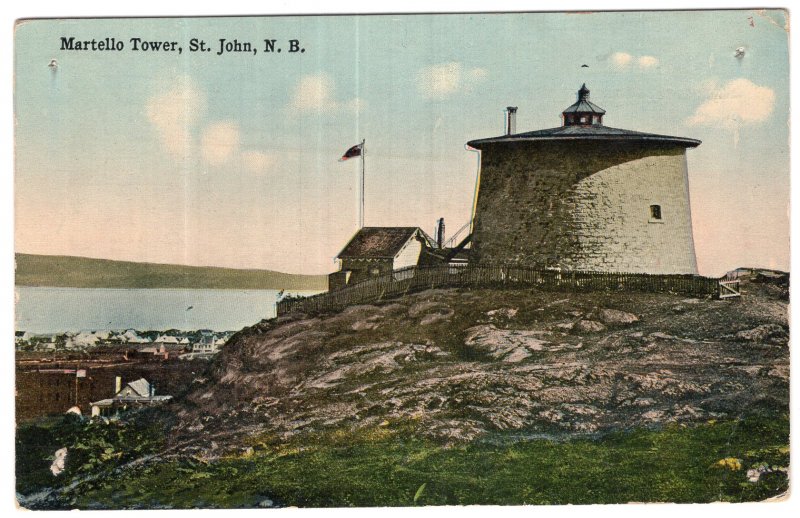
<point>584,196</point>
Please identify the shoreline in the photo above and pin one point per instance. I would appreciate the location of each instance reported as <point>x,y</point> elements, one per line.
<point>53,310</point>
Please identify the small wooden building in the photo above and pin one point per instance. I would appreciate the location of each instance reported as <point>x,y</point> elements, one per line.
<point>133,395</point>
<point>376,251</point>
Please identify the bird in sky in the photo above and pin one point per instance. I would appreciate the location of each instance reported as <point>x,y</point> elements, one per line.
<point>190,307</point>
<point>584,66</point>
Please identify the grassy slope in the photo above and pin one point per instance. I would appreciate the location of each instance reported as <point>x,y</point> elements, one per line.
<point>387,466</point>
<point>82,272</point>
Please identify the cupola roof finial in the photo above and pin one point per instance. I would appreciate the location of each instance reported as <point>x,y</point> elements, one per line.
<point>583,93</point>
<point>583,112</point>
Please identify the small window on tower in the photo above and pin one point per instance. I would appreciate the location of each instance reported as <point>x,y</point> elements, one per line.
<point>655,212</point>
<point>583,120</point>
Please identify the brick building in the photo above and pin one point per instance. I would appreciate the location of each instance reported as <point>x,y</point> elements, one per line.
<point>584,196</point>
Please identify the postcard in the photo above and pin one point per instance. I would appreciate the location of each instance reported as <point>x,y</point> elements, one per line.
<point>402,260</point>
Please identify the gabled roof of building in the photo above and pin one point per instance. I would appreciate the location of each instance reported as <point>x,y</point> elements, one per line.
<point>140,386</point>
<point>380,242</point>
<point>588,132</point>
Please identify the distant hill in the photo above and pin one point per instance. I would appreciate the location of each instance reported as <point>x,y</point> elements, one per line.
<point>83,272</point>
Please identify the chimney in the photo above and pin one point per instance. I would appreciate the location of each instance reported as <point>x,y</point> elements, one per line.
<point>440,233</point>
<point>117,384</point>
<point>511,120</point>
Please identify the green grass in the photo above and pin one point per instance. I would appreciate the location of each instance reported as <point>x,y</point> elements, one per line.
<point>93,447</point>
<point>83,272</point>
<point>387,466</point>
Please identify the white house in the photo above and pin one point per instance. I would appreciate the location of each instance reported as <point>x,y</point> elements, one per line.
<point>134,394</point>
<point>207,344</point>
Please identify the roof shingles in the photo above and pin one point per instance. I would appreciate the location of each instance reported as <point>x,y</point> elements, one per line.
<point>588,132</point>
<point>584,106</point>
<point>140,386</point>
<point>377,242</point>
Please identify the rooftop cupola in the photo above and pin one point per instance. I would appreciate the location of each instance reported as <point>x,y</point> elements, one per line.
<point>583,112</point>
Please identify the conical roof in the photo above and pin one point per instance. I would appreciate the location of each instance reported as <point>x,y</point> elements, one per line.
<point>574,129</point>
<point>583,105</point>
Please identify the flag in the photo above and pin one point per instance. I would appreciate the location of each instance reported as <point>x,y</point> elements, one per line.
<point>352,152</point>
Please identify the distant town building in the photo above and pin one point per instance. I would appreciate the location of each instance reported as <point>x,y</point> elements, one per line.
<point>206,344</point>
<point>82,339</point>
<point>22,337</point>
<point>130,336</point>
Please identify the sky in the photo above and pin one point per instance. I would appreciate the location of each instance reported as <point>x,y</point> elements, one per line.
<point>232,160</point>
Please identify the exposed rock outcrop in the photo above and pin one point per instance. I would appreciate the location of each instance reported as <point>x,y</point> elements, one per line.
<point>456,364</point>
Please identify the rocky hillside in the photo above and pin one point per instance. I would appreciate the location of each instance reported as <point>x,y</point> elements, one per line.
<point>456,364</point>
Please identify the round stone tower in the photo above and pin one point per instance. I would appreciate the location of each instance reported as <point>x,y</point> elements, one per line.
<point>584,197</point>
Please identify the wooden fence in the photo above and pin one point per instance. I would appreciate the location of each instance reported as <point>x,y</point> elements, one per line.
<point>418,278</point>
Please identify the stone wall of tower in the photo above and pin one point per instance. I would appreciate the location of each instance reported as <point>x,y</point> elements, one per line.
<point>584,205</point>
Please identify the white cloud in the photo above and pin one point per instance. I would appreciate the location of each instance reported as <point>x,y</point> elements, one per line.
<point>257,161</point>
<point>477,74</point>
<point>440,80</point>
<point>445,79</point>
<point>647,61</point>
<point>621,59</point>
<point>220,141</point>
<point>315,93</point>
<point>175,112</point>
<point>738,102</point>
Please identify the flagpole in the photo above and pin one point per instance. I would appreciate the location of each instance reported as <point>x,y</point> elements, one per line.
<point>361,213</point>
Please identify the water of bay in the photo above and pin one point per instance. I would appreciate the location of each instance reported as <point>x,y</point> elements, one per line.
<point>56,310</point>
